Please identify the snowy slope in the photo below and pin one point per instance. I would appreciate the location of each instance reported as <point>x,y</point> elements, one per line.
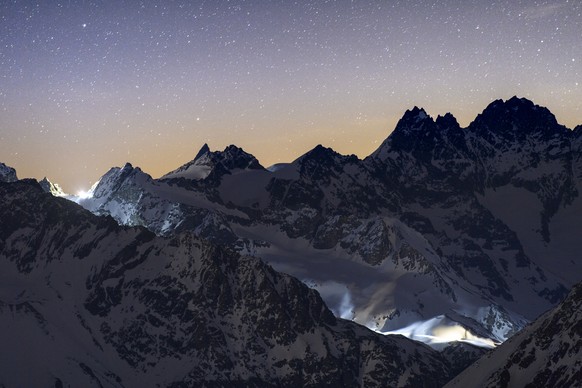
<point>52,188</point>
<point>547,353</point>
<point>85,302</point>
<point>407,288</point>
<point>133,198</point>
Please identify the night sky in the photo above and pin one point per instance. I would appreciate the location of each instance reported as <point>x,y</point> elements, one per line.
<point>87,85</point>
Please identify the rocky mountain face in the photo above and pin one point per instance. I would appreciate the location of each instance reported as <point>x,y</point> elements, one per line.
<point>133,198</point>
<point>440,221</point>
<point>496,198</point>
<point>547,353</point>
<point>461,355</point>
<point>86,302</point>
<point>7,173</point>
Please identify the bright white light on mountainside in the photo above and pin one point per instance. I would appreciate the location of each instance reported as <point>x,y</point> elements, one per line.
<point>435,331</point>
<point>82,194</point>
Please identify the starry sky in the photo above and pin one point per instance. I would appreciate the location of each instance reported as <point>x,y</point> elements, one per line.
<point>87,85</point>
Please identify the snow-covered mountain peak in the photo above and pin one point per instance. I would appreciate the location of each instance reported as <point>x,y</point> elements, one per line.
<point>235,157</point>
<point>7,173</point>
<point>323,164</point>
<point>215,164</point>
<point>414,126</point>
<point>115,178</point>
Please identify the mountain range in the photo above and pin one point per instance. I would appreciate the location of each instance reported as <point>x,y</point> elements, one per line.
<point>85,302</point>
<point>439,224</point>
<point>456,237</point>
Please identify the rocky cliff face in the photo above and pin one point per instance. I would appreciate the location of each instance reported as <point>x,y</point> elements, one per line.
<point>85,302</point>
<point>547,353</point>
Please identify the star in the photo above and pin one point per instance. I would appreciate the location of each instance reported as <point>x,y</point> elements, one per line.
<point>261,74</point>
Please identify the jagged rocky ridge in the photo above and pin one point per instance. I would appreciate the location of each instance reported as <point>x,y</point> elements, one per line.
<point>465,223</point>
<point>85,302</point>
<point>547,353</point>
<point>7,173</point>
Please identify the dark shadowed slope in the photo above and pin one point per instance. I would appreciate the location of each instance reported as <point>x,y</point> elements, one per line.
<point>547,353</point>
<point>85,302</point>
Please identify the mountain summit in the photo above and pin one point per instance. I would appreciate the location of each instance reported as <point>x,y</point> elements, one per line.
<point>516,118</point>
<point>215,164</point>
